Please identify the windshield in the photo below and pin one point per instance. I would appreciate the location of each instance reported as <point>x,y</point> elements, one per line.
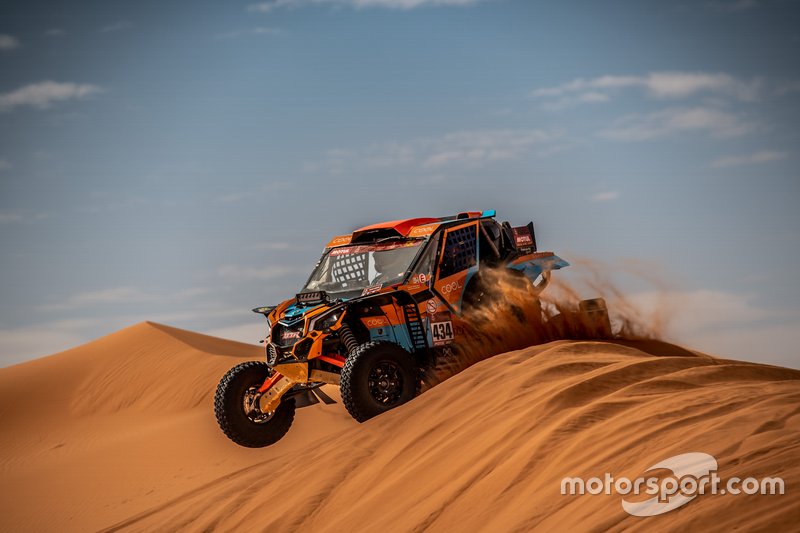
<point>358,267</point>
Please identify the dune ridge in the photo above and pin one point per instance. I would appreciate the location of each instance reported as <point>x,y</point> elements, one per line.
<point>119,434</point>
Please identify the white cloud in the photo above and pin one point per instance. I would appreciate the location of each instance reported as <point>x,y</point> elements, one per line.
<point>116,26</point>
<point>723,323</point>
<point>762,156</point>
<point>736,6</point>
<point>251,333</point>
<point>641,127</point>
<point>606,196</point>
<point>590,97</point>
<point>662,85</point>
<point>461,148</point>
<point>247,273</point>
<point>120,295</point>
<point>273,189</point>
<point>787,87</point>
<point>24,216</point>
<point>43,94</point>
<point>6,216</point>
<point>21,344</point>
<point>274,246</point>
<point>8,42</point>
<point>483,146</point>
<point>699,310</point>
<point>266,7</point>
<point>233,34</point>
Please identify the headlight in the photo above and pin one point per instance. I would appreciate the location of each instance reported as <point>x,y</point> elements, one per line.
<point>325,320</point>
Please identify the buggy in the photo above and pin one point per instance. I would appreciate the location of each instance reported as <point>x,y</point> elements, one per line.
<point>382,305</point>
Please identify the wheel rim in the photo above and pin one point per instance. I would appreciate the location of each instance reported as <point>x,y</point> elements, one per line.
<point>386,383</point>
<point>251,407</point>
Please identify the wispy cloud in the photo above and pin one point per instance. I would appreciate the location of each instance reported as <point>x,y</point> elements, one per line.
<point>235,34</point>
<point>43,94</point>
<point>467,148</point>
<point>249,332</point>
<point>7,216</point>
<point>121,295</point>
<point>730,324</point>
<point>762,156</point>
<point>273,188</point>
<point>642,127</point>
<point>20,344</point>
<point>21,216</point>
<point>661,85</point>
<point>589,97</point>
<point>273,246</point>
<point>734,6</point>
<point>266,7</point>
<point>4,165</point>
<point>605,196</point>
<point>116,26</point>
<point>248,273</point>
<point>8,42</point>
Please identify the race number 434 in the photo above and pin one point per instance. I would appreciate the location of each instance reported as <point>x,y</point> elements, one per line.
<point>442,333</point>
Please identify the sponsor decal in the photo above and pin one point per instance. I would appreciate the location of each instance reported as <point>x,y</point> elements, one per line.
<point>375,321</point>
<point>427,229</point>
<point>372,289</point>
<point>448,288</point>
<point>286,335</point>
<point>431,306</point>
<point>345,250</point>
<point>522,236</point>
<point>337,241</point>
<point>366,248</point>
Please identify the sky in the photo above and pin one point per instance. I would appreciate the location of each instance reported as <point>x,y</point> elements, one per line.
<point>185,162</point>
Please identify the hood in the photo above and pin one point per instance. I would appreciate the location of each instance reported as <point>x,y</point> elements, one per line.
<point>296,311</point>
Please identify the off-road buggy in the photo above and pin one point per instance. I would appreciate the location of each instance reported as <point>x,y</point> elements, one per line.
<point>382,305</point>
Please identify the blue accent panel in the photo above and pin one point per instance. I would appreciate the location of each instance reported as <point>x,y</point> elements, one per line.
<point>396,334</point>
<point>295,312</point>
<point>489,213</point>
<point>470,274</point>
<point>534,267</point>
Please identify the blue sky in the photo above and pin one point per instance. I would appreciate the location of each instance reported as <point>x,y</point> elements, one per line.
<point>184,162</point>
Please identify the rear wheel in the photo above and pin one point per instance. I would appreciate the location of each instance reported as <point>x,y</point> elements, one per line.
<point>498,292</point>
<point>236,406</point>
<point>377,377</point>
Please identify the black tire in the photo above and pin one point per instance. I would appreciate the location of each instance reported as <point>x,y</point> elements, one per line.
<point>364,393</point>
<point>252,429</point>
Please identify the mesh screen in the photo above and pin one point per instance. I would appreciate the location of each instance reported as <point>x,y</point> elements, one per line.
<point>459,251</point>
<point>353,267</point>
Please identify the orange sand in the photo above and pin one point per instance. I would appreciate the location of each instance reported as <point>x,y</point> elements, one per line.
<point>120,433</point>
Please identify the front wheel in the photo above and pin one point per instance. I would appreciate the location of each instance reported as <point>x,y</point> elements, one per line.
<point>376,377</point>
<point>237,409</point>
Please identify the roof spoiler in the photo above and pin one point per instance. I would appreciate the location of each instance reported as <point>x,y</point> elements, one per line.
<point>470,214</point>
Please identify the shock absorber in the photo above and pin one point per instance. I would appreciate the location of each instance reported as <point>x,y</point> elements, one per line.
<point>348,338</point>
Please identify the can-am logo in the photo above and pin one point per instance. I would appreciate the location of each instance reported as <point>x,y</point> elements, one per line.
<point>693,474</point>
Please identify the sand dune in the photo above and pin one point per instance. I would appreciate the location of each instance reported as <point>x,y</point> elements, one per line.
<point>120,434</point>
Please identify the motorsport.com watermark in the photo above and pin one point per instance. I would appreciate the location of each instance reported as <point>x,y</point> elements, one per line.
<point>693,474</point>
